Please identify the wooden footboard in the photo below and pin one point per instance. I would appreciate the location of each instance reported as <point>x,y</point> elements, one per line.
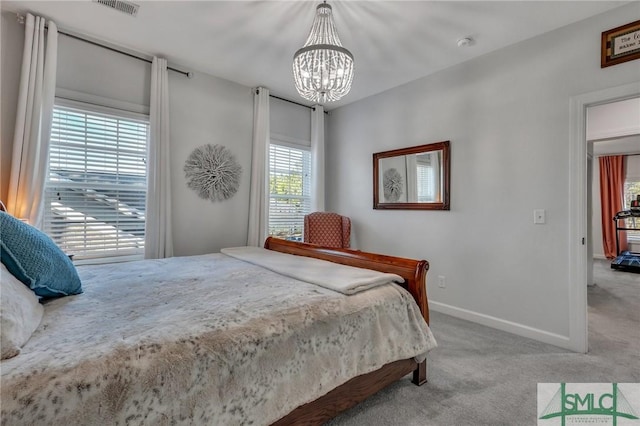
<point>359,388</point>
<point>414,272</point>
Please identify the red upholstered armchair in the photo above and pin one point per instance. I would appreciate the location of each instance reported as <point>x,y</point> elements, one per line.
<point>327,229</point>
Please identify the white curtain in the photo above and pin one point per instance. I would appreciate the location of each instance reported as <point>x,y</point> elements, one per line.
<point>435,165</point>
<point>317,158</point>
<point>29,164</point>
<point>412,178</point>
<point>259,193</point>
<point>158,236</point>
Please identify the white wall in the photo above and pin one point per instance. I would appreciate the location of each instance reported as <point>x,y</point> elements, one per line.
<point>204,110</point>
<point>290,120</point>
<point>507,117</point>
<point>92,70</point>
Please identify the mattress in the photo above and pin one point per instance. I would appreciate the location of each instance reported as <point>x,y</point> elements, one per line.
<point>201,340</point>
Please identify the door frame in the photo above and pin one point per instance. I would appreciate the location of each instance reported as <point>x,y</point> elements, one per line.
<point>578,324</point>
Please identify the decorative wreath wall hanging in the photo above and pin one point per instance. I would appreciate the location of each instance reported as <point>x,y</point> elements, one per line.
<point>392,185</point>
<point>213,172</point>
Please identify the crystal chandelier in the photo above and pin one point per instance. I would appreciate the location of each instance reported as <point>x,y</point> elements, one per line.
<point>323,69</point>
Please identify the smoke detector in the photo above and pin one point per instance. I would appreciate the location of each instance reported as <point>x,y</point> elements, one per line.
<point>121,6</point>
<point>465,42</point>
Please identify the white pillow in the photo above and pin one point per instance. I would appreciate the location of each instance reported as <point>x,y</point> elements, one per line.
<point>20,314</point>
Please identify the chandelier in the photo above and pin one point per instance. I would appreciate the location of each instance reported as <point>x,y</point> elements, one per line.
<point>323,69</point>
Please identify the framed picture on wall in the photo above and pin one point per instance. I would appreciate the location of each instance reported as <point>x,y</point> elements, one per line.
<point>620,44</point>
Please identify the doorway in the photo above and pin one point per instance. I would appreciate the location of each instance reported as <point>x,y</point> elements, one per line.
<point>578,208</point>
<point>628,148</point>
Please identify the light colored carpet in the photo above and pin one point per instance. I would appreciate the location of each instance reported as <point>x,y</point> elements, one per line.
<point>482,376</point>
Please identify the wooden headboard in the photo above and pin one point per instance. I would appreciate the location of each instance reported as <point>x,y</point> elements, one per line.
<point>414,272</point>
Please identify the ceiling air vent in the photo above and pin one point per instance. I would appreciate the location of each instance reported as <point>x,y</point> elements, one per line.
<point>120,5</point>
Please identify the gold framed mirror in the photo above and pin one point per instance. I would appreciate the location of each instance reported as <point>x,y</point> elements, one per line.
<point>414,178</point>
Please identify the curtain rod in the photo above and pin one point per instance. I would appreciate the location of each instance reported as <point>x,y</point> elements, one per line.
<point>189,74</point>
<point>291,102</point>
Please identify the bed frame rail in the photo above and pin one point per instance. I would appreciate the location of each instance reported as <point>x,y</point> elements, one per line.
<point>338,400</point>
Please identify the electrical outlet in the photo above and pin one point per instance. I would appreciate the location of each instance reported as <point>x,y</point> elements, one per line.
<point>442,281</point>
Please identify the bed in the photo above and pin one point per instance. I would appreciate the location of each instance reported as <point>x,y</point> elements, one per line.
<point>218,339</point>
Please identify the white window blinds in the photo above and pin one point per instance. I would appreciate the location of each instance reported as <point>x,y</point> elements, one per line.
<point>96,188</point>
<point>425,183</point>
<point>289,190</point>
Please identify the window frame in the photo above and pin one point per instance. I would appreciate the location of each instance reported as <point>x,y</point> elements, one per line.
<point>307,173</point>
<point>99,106</point>
<point>632,236</point>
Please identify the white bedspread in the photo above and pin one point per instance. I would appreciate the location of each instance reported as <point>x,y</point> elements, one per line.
<point>202,340</point>
<point>345,279</point>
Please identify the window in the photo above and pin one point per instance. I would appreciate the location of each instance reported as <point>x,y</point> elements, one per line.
<point>631,192</point>
<point>426,183</point>
<point>96,188</point>
<point>289,190</point>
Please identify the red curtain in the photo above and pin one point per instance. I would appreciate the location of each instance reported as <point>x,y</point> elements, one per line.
<point>611,197</point>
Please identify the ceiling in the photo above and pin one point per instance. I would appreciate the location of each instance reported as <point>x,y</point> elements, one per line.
<point>253,42</point>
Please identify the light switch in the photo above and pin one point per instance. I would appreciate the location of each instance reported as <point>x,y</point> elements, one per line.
<point>539,216</point>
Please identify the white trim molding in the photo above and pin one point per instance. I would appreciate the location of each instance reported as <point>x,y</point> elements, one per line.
<point>615,134</point>
<point>578,331</point>
<point>504,325</point>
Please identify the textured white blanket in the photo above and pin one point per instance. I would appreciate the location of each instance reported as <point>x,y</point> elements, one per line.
<point>202,340</point>
<point>341,278</point>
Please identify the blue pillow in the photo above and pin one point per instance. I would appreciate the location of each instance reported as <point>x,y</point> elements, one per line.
<point>32,257</point>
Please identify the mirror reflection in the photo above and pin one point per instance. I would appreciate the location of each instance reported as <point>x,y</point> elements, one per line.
<point>412,178</point>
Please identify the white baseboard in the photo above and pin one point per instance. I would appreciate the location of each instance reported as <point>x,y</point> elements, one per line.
<point>599,256</point>
<point>504,325</point>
